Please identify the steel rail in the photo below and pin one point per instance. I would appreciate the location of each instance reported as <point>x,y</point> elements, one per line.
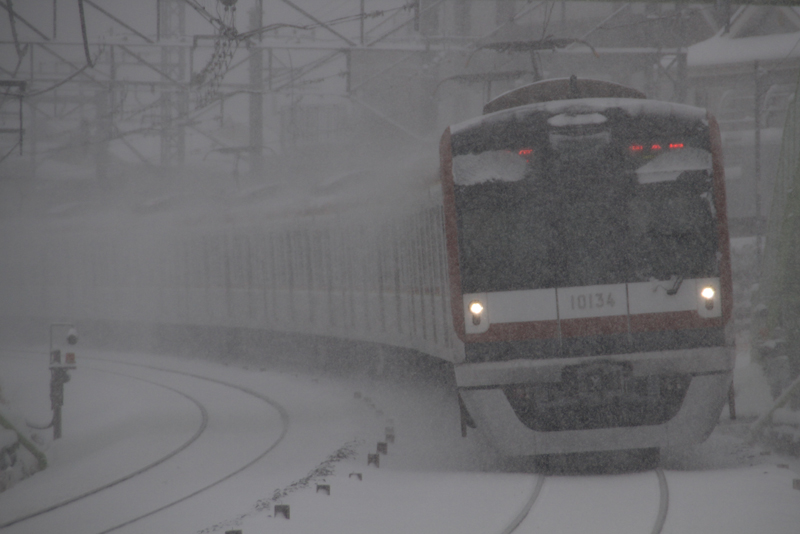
<point>195,436</point>
<point>527,508</point>
<point>663,504</point>
<point>658,526</point>
<point>280,409</point>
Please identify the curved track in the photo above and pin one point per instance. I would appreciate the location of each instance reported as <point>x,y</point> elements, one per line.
<point>284,419</point>
<point>661,516</point>
<point>663,504</point>
<point>64,504</point>
<point>197,434</point>
<point>537,489</point>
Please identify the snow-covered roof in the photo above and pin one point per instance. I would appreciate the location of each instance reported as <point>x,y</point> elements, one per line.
<point>727,50</point>
<point>756,33</point>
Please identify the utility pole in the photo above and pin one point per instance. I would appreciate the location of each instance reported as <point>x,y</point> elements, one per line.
<point>361,29</point>
<point>256,100</point>
<point>759,89</point>
<point>174,100</point>
<point>104,121</point>
<point>682,77</point>
<point>102,132</point>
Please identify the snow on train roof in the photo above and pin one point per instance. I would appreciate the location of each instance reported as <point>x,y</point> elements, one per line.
<point>580,106</point>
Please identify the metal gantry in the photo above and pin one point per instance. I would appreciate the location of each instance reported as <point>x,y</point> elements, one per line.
<point>166,82</point>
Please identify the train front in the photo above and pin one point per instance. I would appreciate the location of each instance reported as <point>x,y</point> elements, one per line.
<point>589,274</point>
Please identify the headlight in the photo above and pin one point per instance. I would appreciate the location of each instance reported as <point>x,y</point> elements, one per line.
<point>476,308</point>
<point>708,294</point>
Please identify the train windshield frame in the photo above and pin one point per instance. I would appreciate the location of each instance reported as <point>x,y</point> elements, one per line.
<point>576,197</point>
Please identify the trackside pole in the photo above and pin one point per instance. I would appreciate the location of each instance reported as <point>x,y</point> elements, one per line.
<point>59,374</point>
<point>794,388</point>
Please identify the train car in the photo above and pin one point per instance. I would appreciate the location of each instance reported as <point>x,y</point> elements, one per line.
<point>571,263</point>
<point>589,269</point>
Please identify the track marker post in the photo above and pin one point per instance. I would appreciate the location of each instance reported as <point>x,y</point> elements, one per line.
<point>282,509</point>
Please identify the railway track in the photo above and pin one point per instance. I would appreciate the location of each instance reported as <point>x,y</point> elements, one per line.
<point>524,522</point>
<point>152,465</point>
<point>126,370</point>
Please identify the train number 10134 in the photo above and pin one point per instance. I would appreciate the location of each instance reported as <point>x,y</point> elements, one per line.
<point>592,301</point>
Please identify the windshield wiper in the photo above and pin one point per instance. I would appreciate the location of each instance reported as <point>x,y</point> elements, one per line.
<point>676,286</point>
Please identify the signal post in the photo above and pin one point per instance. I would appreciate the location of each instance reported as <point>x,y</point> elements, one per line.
<point>59,374</point>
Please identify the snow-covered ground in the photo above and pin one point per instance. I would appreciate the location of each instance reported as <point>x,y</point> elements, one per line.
<point>270,437</point>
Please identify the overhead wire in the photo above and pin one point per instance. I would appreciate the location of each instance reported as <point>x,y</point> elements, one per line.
<point>10,151</point>
<point>67,79</point>
<point>659,18</point>
<point>548,14</point>
<point>330,8</point>
<point>83,34</point>
<point>331,22</point>
<point>384,21</point>
<point>211,76</point>
<point>222,59</point>
<point>207,81</point>
<point>12,21</point>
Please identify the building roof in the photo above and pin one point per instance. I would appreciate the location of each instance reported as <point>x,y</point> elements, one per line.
<point>757,33</point>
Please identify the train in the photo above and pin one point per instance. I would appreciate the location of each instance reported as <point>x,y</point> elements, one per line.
<point>589,269</point>
<point>570,261</point>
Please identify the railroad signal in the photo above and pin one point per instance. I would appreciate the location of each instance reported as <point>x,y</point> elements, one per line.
<point>59,374</point>
<point>67,362</point>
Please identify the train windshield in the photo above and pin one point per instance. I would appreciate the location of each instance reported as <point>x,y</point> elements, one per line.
<point>573,200</point>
